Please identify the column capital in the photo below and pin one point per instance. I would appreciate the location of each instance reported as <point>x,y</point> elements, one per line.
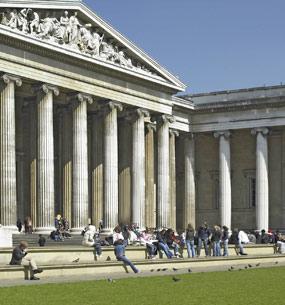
<point>222,133</point>
<point>76,99</point>
<point>45,88</point>
<point>7,78</point>
<point>110,105</point>
<point>136,113</point>
<point>188,135</point>
<point>263,130</point>
<point>174,132</point>
<point>150,126</point>
<point>163,118</point>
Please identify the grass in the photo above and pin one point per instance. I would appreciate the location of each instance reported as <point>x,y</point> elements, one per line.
<point>246,287</point>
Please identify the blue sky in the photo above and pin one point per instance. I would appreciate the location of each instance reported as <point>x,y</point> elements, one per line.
<point>210,44</point>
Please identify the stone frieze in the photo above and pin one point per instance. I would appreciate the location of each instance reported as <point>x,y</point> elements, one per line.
<point>66,29</point>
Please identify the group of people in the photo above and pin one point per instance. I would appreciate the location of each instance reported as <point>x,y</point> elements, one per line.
<point>26,227</point>
<point>212,240</point>
<point>61,231</point>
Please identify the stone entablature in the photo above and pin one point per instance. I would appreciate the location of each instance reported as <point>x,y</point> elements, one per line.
<point>67,29</point>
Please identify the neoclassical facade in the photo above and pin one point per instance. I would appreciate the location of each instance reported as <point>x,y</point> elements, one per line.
<point>92,128</point>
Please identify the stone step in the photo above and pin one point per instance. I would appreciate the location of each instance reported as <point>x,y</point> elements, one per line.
<point>32,240</point>
<point>67,254</point>
<point>147,266</point>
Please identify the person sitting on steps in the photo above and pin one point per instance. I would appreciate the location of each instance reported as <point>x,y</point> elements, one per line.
<point>20,257</point>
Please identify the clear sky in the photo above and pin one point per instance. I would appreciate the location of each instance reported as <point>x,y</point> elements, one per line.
<point>210,44</point>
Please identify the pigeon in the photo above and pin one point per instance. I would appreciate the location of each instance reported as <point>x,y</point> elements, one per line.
<point>108,258</point>
<point>232,267</point>
<point>158,270</point>
<point>76,260</point>
<point>245,267</point>
<point>276,263</point>
<point>151,270</point>
<point>249,265</point>
<point>189,270</point>
<point>257,265</point>
<point>229,269</point>
<point>164,269</point>
<point>175,269</point>
<point>175,279</point>
<point>110,280</point>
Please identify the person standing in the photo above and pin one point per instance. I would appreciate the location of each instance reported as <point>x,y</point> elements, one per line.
<point>20,257</point>
<point>203,239</point>
<point>225,240</point>
<point>19,225</point>
<point>190,238</point>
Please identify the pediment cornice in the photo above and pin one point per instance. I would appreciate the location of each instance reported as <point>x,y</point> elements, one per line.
<point>70,27</point>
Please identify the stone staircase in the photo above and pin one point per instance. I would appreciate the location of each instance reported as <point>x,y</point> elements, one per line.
<point>32,240</point>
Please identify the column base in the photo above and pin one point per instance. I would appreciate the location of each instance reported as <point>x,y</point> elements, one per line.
<point>12,229</point>
<point>106,232</point>
<point>76,231</point>
<point>44,230</point>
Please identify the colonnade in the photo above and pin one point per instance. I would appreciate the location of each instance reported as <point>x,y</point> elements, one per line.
<point>153,162</point>
<point>149,206</point>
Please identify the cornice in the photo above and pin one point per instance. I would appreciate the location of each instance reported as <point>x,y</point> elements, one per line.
<point>238,105</point>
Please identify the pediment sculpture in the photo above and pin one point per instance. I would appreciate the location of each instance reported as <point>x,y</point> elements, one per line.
<point>69,31</point>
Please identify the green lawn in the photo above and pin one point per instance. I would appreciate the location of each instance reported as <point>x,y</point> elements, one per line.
<point>255,286</point>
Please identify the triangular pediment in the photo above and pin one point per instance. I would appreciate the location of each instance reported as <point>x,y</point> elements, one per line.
<point>71,27</point>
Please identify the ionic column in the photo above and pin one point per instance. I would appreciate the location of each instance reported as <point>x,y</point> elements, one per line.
<point>163,170</point>
<point>225,177</point>
<point>45,157</point>
<point>262,195</point>
<point>190,196</point>
<point>150,192</point>
<point>8,186</point>
<point>138,168</point>
<point>124,168</point>
<point>172,181</point>
<point>80,162</point>
<point>97,169</point>
<point>111,165</point>
<point>67,163</point>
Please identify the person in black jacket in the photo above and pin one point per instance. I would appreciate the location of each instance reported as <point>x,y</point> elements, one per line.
<point>225,240</point>
<point>203,239</point>
<point>20,257</point>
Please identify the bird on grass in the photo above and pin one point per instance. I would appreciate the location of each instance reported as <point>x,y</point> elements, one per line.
<point>158,270</point>
<point>229,269</point>
<point>232,267</point>
<point>249,265</point>
<point>108,258</point>
<point>174,269</point>
<point>175,279</point>
<point>189,270</point>
<point>276,263</point>
<point>76,260</point>
<point>110,280</point>
<point>164,269</point>
<point>257,265</point>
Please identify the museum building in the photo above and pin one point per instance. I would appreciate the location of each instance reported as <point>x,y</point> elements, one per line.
<point>92,128</point>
